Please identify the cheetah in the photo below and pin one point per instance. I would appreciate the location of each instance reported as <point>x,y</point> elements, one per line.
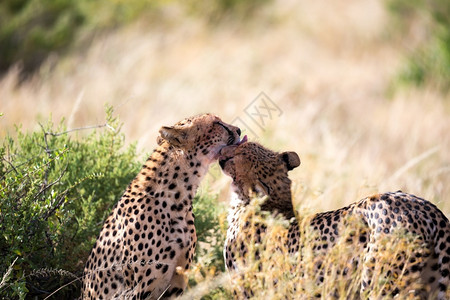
<point>149,239</point>
<point>255,169</point>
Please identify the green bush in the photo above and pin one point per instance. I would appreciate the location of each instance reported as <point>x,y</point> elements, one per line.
<point>211,230</point>
<point>226,10</point>
<point>429,63</point>
<point>56,189</point>
<point>210,224</point>
<point>31,30</point>
<point>55,192</point>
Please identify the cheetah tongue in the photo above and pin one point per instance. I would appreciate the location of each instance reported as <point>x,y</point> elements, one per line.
<point>244,139</point>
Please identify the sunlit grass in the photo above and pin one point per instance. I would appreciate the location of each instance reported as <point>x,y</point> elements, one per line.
<point>330,79</point>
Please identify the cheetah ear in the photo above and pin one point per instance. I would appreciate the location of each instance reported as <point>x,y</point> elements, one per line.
<point>291,159</point>
<point>175,136</point>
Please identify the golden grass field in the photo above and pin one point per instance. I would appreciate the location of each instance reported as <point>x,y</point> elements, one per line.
<point>328,69</point>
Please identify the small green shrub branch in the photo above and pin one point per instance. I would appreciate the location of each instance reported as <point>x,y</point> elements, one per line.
<point>56,188</point>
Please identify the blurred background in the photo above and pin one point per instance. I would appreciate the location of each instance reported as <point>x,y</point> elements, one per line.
<point>359,89</point>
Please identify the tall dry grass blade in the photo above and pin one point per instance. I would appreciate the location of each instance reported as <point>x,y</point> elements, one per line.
<point>412,162</point>
<point>75,108</point>
<point>6,275</point>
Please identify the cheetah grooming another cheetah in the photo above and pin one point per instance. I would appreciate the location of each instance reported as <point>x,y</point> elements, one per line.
<point>255,169</point>
<point>149,238</point>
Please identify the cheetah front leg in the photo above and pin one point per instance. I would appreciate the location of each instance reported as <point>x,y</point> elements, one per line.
<point>177,285</point>
<point>179,280</point>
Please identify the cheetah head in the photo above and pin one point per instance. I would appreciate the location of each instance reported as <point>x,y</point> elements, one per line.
<point>202,136</point>
<point>255,169</point>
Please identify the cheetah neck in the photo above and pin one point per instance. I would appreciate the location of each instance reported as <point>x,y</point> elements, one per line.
<point>170,173</point>
<point>283,207</point>
<point>279,203</point>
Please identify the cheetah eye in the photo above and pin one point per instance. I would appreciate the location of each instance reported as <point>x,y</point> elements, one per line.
<point>265,187</point>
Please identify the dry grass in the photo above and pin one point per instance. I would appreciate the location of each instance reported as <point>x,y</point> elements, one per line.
<point>269,272</point>
<point>327,65</point>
